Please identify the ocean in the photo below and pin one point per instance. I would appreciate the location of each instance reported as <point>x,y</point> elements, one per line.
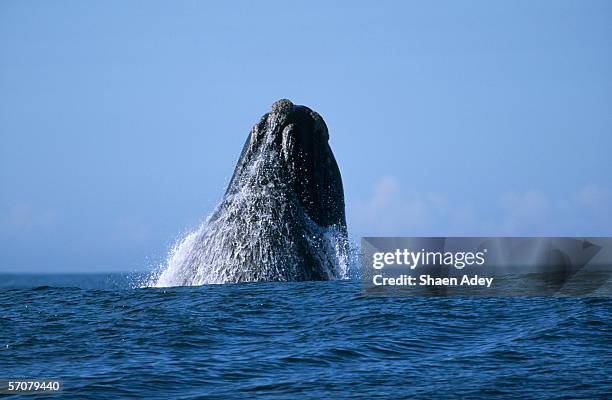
<point>106,338</point>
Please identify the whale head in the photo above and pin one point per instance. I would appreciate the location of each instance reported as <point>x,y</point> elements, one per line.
<point>282,216</point>
<point>289,147</point>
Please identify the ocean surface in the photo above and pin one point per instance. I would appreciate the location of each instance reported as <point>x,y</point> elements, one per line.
<point>107,339</point>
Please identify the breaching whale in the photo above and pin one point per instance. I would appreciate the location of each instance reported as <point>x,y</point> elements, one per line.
<point>282,217</point>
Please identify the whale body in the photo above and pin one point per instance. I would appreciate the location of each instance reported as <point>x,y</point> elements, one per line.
<point>282,217</point>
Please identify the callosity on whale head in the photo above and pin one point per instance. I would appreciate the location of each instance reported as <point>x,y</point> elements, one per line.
<point>282,216</point>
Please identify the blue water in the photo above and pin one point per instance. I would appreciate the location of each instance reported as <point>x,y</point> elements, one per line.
<point>298,340</point>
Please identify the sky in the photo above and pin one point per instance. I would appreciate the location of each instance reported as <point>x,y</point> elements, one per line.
<point>121,121</point>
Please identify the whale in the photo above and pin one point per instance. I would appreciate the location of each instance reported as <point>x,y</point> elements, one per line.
<point>282,217</point>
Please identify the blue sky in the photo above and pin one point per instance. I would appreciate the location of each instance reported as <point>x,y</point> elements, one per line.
<point>121,121</point>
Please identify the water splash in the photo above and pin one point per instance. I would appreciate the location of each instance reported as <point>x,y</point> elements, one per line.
<point>219,267</point>
<point>259,232</point>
